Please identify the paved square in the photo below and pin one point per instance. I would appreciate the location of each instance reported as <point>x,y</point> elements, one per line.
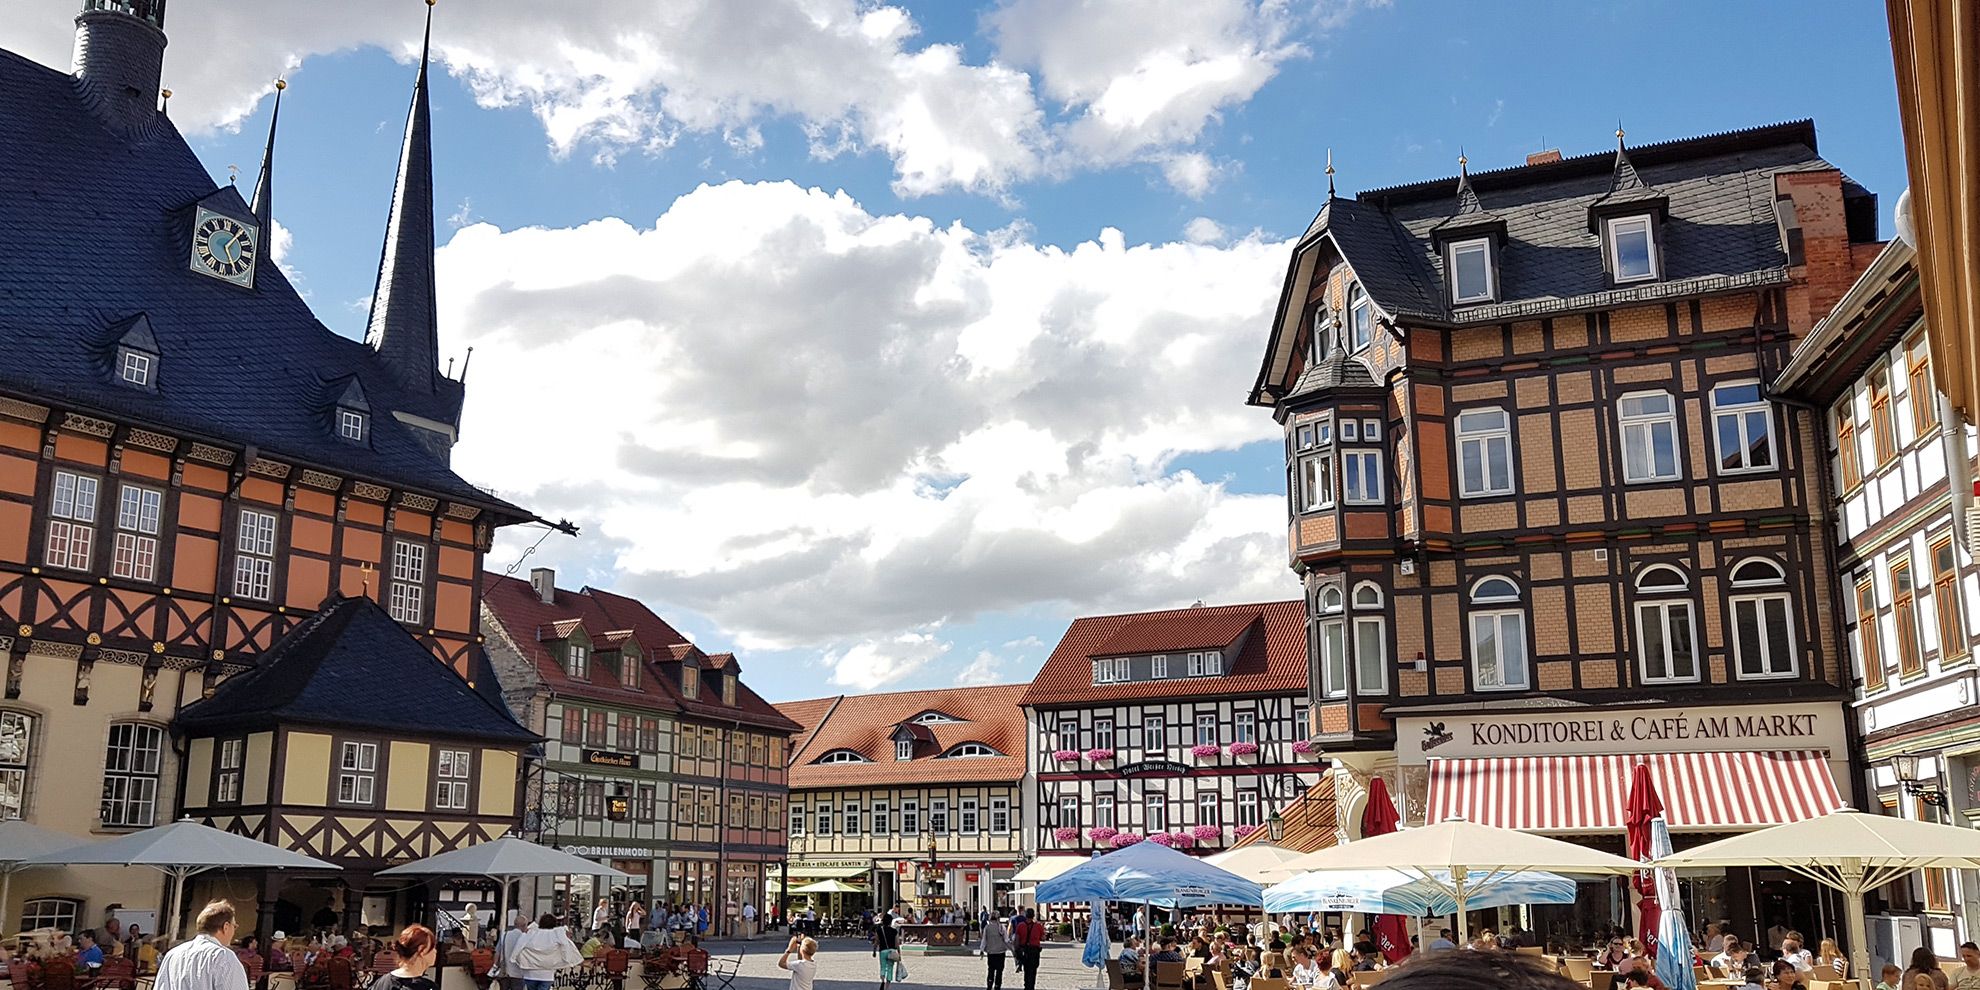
<point>844,964</point>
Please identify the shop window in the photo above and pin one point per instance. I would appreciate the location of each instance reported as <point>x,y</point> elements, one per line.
<point>1904,615</point>
<point>1649,437</point>
<point>130,774</point>
<point>1763,623</point>
<point>1498,636</point>
<point>1945,600</point>
<point>1484,453</point>
<point>50,912</point>
<point>1869,651</point>
<point>1667,640</point>
<point>1371,641</point>
<point>71,522</point>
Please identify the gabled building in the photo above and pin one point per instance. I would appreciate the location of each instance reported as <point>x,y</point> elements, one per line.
<point>659,761</point>
<point>915,795</point>
<point>191,463</point>
<point>1550,518</point>
<point>1907,584</point>
<point>1183,726</point>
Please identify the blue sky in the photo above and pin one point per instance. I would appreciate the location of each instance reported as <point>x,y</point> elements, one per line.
<point>785,546</point>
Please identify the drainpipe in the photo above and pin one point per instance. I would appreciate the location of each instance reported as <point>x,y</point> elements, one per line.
<point>1959,470</point>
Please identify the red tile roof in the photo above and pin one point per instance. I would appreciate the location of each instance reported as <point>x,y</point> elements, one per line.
<point>1171,632</point>
<point>1273,660</point>
<point>614,619</point>
<point>865,723</point>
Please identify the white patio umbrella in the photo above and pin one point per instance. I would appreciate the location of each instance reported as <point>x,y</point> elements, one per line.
<point>504,861</point>
<point>182,849</point>
<point>20,842</point>
<point>1462,858</point>
<point>1847,851</point>
<point>1260,862</point>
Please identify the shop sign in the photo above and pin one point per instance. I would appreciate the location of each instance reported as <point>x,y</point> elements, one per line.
<point>608,758</point>
<point>900,869</point>
<point>609,852</point>
<point>970,877</point>
<point>830,864</point>
<point>1146,767</point>
<point>1702,729</point>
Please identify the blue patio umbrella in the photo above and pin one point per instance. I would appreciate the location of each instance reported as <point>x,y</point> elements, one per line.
<point>1673,940</point>
<point>1150,873</point>
<point>1097,949</point>
<point>1396,892</point>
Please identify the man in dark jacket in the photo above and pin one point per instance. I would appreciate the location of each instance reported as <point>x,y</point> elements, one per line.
<point>1028,941</point>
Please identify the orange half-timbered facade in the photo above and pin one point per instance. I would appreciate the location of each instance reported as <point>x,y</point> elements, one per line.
<point>191,464</point>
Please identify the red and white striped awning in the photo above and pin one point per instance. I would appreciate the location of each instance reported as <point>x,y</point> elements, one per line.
<point>1714,792</point>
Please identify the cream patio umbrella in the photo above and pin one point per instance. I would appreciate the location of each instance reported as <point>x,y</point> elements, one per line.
<point>1461,857</point>
<point>1260,863</point>
<point>1848,851</point>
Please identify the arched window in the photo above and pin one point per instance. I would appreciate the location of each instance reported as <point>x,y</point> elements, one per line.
<point>50,912</point>
<point>1333,642</point>
<point>16,759</point>
<point>1367,595</point>
<point>1666,633</point>
<point>934,718</point>
<point>1498,636</point>
<point>1762,622</point>
<point>131,764</point>
<point>970,750</point>
<point>1371,641</point>
<point>842,756</point>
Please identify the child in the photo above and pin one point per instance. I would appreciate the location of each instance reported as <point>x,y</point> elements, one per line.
<point>803,970</point>
<point>1889,979</point>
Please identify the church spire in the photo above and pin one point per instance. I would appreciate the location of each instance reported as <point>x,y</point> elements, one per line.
<point>263,203</point>
<point>402,328</point>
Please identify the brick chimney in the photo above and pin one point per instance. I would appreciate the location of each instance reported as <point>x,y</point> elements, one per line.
<point>120,53</point>
<point>544,580</point>
<point>1547,157</point>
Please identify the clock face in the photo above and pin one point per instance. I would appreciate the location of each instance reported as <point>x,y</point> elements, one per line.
<point>224,248</point>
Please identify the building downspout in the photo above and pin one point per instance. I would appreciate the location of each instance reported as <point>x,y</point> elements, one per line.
<point>1959,470</point>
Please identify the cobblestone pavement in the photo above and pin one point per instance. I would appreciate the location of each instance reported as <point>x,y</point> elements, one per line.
<point>848,964</point>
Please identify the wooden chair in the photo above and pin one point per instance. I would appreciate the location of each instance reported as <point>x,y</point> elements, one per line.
<point>1116,980</point>
<point>1220,979</point>
<point>59,973</point>
<point>1578,968</point>
<point>116,974</point>
<point>1270,983</point>
<point>1531,950</point>
<point>1601,979</point>
<point>340,972</point>
<point>1368,978</point>
<point>616,961</point>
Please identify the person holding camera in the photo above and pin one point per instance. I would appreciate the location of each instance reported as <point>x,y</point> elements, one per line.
<point>803,969</point>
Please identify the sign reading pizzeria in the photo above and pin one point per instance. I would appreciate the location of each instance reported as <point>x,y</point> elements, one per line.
<point>607,758</point>
<point>1793,726</point>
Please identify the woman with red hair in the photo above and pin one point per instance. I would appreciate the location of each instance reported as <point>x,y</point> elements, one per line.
<point>417,950</point>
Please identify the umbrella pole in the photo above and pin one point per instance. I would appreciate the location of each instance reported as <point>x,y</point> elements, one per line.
<point>1859,926</point>
<point>6,888</point>
<point>1458,877</point>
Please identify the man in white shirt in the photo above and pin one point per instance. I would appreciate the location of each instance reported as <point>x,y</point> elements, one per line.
<point>1792,951</point>
<point>505,950</point>
<point>601,915</point>
<point>1732,960</point>
<point>206,962</point>
<point>749,921</point>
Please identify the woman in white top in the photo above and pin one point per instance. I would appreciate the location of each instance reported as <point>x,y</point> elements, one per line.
<point>1307,971</point>
<point>802,969</point>
<point>543,951</point>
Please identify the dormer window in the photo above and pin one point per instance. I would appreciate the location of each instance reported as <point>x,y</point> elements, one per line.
<point>629,671</point>
<point>351,413</point>
<point>350,425</point>
<point>1470,266</point>
<point>1632,249</point>
<point>690,681</point>
<point>904,748</point>
<point>577,662</point>
<point>134,367</point>
<point>1361,319</point>
<point>841,756</point>
<point>135,356</point>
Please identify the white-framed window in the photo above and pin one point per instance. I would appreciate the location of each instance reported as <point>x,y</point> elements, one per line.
<point>1361,476</point>
<point>910,816</point>
<point>1158,666</point>
<point>628,670</point>
<point>938,815</point>
<point>1762,621</point>
<point>970,750</point>
<point>230,759</point>
<point>350,424</point>
<point>450,783</point>
<point>1103,734</point>
<point>1213,662</point>
<point>1244,727</point>
<point>1632,249</point>
<point>1316,481</point>
<point>1361,318</point>
<point>1649,436</point>
<point>130,774</point>
<point>842,756</point>
<point>1246,802</point>
<point>1300,719</point>
<point>1333,643</point>
<point>16,759</point>
<point>1470,265</point>
<point>1371,641</point>
<point>852,818</point>
<point>797,819</point>
<point>824,820</point>
<point>1155,813</point>
<point>1103,811</point>
<point>138,513</point>
<point>881,822</point>
<point>1068,733</point>
<point>408,581</point>
<point>1000,815</point>
<point>1069,809</point>
<point>1196,664</point>
<point>967,821</point>
<point>1666,632</point>
<point>1498,636</point>
<point>50,912</point>
<point>691,681</point>
<point>1484,453</point>
<point>357,773</point>
<point>254,555</point>
<point>136,367</point>
<point>1206,808</point>
<point>71,521</point>
<point>1153,731</point>
<point>1742,428</point>
<point>904,748</point>
<point>577,661</point>
<point>1350,429</point>
<point>1206,730</point>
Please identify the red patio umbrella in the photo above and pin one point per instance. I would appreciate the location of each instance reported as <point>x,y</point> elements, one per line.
<point>1380,818</point>
<point>1644,805</point>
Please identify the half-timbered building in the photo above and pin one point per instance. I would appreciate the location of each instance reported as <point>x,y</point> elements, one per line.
<point>1906,582</point>
<point>1180,726</point>
<point>658,761</point>
<point>916,795</point>
<point>1550,518</point>
<point>191,463</point>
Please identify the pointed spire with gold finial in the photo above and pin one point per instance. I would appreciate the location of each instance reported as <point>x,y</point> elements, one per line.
<point>1330,173</point>
<point>263,203</point>
<point>403,324</point>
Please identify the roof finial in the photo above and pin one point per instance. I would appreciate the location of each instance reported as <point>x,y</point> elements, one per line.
<point>1330,173</point>
<point>1462,162</point>
<point>263,203</point>
<point>233,172</point>
<point>167,94</point>
<point>1619,134</point>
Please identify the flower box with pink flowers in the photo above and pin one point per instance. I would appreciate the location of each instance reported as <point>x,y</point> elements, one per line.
<point>1205,833</point>
<point>1304,747</point>
<point>1243,830</point>
<point>1125,839</point>
<point>1099,755</point>
<point>1244,749</point>
<point>1066,834</point>
<point>1065,756</point>
<point>1205,751</point>
<point>1103,835</point>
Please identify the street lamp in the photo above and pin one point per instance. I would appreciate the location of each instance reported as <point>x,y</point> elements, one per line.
<point>1905,767</point>
<point>1275,826</point>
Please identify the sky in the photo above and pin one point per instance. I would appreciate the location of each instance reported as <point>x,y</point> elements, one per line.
<point>878,341</point>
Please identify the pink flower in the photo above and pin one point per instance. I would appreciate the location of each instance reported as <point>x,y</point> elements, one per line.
<point>1205,833</point>
<point>1204,751</point>
<point>1244,749</point>
<point>1304,747</point>
<point>1125,839</point>
<point>1066,833</point>
<point>1066,755</point>
<point>1099,755</point>
<point>1243,830</point>
<point>1103,835</point>
<point>1180,840</point>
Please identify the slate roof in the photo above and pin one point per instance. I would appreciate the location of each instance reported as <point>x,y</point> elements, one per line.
<point>864,723</point>
<point>96,228</point>
<point>1273,661</point>
<point>610,619</point>
<point>351,665</point>
<point>1335,371</point>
